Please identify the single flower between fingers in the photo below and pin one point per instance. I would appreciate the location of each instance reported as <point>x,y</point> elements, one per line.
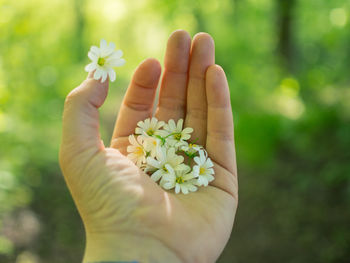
<point>104,59</point>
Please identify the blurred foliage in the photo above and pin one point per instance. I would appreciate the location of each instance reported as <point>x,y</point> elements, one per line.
<point>288,67</point>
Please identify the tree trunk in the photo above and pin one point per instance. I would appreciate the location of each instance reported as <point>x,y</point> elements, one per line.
<point>284,26</point>
<point>79,51</point>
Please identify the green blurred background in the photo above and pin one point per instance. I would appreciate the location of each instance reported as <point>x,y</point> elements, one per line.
<point>288,64</point>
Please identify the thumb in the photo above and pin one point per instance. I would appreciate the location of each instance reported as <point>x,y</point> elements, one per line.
<point>81,119</point>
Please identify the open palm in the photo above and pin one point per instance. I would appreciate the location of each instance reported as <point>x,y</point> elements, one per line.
<point>127,216</point>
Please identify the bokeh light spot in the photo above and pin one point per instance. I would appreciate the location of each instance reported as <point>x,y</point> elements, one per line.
<point>338,17</point>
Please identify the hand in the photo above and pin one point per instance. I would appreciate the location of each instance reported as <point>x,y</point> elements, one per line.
<point>126,215</point>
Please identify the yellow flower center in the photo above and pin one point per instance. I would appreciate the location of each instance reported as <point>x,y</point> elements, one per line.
<point>179,180</point>
<point>150,132</point>
<point>177,136</point>
<point>139,151</point>
<point>101,61</point>
<point>165,169</point>
<point>201,170</point>
<point>192,145</point>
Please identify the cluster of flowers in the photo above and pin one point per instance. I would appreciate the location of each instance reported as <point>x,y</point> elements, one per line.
<point>160,150</point>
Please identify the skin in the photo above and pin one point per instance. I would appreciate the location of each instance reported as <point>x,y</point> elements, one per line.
<point>126,215</point>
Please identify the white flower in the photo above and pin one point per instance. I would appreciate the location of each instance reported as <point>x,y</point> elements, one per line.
<point>136,151</point>
<point>191,149</point>
<point>165,158</point>
<point>183,180</point>
<point>203,170</point>
<point>103,61</point>
<point>149,127</point>
<point>152,145</point>
<point>176,135</point>
<point>155,148</point>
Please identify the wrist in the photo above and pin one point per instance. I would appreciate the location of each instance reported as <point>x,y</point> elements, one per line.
<point>126,248</point>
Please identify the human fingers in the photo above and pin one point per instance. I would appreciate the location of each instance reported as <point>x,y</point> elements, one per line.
<point>220,134</point>
<point>172,97</point>
<point>138,101</point>
<point>80,125</point>
<point>202,56</point>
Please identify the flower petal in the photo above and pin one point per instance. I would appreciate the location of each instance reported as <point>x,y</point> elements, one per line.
<point>103,44</point>
<point>93,56</point>
<point>139,162</point>
<point>201,156</point>
<point>154,122</point>
<point>184,189</point>
<point>115,55</point>
<point>90,67</point>
<point>96,50</point>
<point>185,136</point>
<point>185,168</point>
<point>112,75</point>
<point>98,74</point>
<point>140,139</point>
<point>131,148</point>
<point>187,130</point>
<point>153,162</point>
<point>160,124</point>
<point>171,124</point>
<point>179,125</point>
<point>205,182</point>
<point>141,124</point>
<point>195,170</point>
<point>210,170</point>
<point>208,163</point>
<point>156,175</point>
<point>116,62</point>
<point>170,169</point>
<point>197,160</point>
<point>131,140</point>
<point>104,76</point>
<point>188,176</point>
<point>210,178</point>
<point>192,188</point>
<point>177,188</point>
<point>168,185</point>
<point>138,130</point>
<point>180,167</point>
<point>111,45</point>
<point>132,157</point>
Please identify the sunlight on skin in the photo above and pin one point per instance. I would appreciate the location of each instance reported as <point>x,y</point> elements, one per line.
<point>167,204</point>
<point>121,207</point>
